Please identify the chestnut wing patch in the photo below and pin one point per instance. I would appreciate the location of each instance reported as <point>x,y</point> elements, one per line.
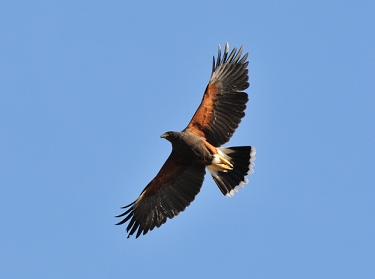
<point>224,101</point>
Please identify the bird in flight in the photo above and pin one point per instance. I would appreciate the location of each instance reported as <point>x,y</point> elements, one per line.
<point>199,146</point>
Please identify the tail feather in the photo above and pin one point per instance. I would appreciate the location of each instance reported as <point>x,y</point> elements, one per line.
<point>242,158</point>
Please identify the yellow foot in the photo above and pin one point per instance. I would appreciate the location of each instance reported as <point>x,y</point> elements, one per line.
<point>224,167</point>
<point>228,165</point>
<point>219,163</point>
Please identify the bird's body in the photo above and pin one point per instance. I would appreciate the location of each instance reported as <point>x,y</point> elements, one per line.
<point>198,147</point>
<point>190,147</point>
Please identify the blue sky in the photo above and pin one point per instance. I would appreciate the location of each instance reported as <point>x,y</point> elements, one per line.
<point>87,89</point>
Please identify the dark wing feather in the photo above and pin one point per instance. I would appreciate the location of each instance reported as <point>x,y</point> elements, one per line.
<point>168,194</point>
<point>224,101</point>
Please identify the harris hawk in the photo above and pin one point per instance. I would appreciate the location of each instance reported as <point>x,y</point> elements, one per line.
<point>199,146</point>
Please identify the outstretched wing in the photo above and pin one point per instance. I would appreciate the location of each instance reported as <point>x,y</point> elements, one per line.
<point>224,101</point>
<point>169,193</point>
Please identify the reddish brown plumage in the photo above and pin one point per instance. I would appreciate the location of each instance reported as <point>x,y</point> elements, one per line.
<point>224,101</point>
<point>203,116</point>
<point>170,169</point>
<point>197,146</point>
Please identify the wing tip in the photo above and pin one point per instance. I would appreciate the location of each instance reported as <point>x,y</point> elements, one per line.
<point>234,57</point>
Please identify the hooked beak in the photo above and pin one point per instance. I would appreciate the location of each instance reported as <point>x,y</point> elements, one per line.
<point>164,136</point>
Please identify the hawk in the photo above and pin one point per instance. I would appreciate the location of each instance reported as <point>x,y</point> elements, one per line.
<point>199,146</point>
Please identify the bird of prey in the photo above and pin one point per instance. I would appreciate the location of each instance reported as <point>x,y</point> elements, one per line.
<point>199,146</point>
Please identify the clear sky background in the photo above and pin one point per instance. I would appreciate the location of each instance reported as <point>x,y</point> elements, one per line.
<point>86,90</point>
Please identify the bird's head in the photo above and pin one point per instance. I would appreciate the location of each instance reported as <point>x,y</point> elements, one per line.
<point>170,136</point>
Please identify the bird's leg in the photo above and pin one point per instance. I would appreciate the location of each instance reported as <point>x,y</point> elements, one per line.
<point>224,167</point>
<point>221,163</point>
<point>225,162</point>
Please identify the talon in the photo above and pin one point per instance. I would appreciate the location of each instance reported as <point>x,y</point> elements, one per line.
<point>226,162</point>
<point>224,166</point>
<point>219,163</point>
